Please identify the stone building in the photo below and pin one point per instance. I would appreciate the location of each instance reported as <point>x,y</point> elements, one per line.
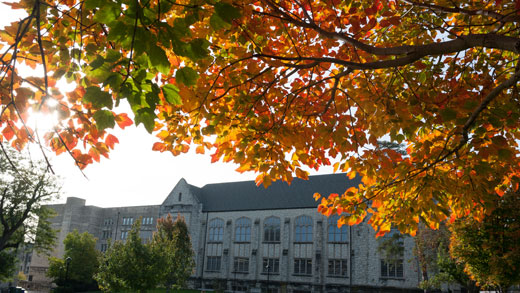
<point>247,238</point>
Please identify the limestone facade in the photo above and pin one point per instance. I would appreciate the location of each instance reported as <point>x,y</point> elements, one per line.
<point>277,243</point>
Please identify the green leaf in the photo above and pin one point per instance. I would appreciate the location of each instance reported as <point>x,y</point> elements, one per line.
<point>114,80</point>
<point>470,105</point>
<point>118,32</point>
<point>104,119</point>
<point>199,49</point>
<point>59,73</point>
<point>91,4</point>
<point>217,23</point>
<point>107,14</point>
<point>422,77</point>
<point>180,28</point>
<point>97,63</point>
<point>149,16</point>
<point>227,12</point>
<point>505,154</point>
<point>187,76</point>
<point>142,41</point>
<point>112,55</point>
<point>448,114</point>
<point>98,98</point>
<point>159,59</point>
<point>171,94</point>
<point>146,116</point>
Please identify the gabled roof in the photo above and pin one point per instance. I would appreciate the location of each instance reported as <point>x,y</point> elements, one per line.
<point>243,196</point>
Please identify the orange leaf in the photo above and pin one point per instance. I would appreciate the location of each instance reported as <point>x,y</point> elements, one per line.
<point>200,149</point>
<point>8,132</point>
<point>111,140</point>
<point>123,120</point>
<point>158,146</point>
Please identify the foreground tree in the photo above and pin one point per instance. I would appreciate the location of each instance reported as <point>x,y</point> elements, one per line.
<point>25,186</point>
<point>490,250</point>
<point>131,265</point>
<point>276,86</point>
<point>171,242</point>
<point>75,271</point>
<point>437,266</point>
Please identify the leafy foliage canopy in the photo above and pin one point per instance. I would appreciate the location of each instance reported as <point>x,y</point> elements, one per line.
<point>281,86</point>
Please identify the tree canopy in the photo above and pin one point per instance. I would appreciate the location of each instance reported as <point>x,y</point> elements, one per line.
<point>78,274</point>
<point>172,243</point>
<point>130,265</point>
<point>282,86</point>
<point>25,186</point>
<point>489,250</point>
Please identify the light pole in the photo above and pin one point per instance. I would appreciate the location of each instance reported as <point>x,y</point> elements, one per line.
<point>67,263</point>
<point>267,268</point>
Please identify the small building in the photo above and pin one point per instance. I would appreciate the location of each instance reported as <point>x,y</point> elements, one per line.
<point>250,239</point>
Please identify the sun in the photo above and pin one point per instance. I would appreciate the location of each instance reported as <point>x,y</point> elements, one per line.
<point>43,121</point>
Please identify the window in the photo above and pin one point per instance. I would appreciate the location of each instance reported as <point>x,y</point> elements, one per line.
<point>303,229</point>
<point>180,196</point>
<point>106,234</point>
<point>104,247</point>
<point>213,263</point>
<point>30,278</point>
<point>271,265</point>
<point>392,269</point>
<point>392,265</point>
<point>243,230</point>
<point>128,221</point>
<point>338,268</point>
<point>241,265</point>
<point>124,235</point>
<point>147,220</point>
<point>272,229</point>
<point>107,222</point>
<point>336,234</point>
<point>216,230</point>
<point>302,266</point>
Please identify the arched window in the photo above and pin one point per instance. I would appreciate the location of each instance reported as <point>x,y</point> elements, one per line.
<point>216,230</point>
<point>336,234</point>
<point>272,229</point>
<point>303,229</point>
<point>243,230</point>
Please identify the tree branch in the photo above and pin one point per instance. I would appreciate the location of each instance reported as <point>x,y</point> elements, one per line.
<point>482,12</point>
<point>490,97</point>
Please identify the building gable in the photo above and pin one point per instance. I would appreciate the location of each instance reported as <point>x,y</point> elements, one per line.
<point>183,194</point>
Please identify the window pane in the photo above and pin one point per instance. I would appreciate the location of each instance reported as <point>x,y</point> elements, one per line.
<point>272,229</point>
<point>384,271</point>
<point>216,230</point>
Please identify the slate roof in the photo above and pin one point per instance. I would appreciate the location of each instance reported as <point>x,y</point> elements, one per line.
<point>243,196</point>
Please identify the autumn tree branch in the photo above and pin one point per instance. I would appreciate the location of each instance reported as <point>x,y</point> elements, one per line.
<point>482,12</point>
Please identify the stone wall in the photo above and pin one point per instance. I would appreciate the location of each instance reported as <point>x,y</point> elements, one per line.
<point>357,252</point>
